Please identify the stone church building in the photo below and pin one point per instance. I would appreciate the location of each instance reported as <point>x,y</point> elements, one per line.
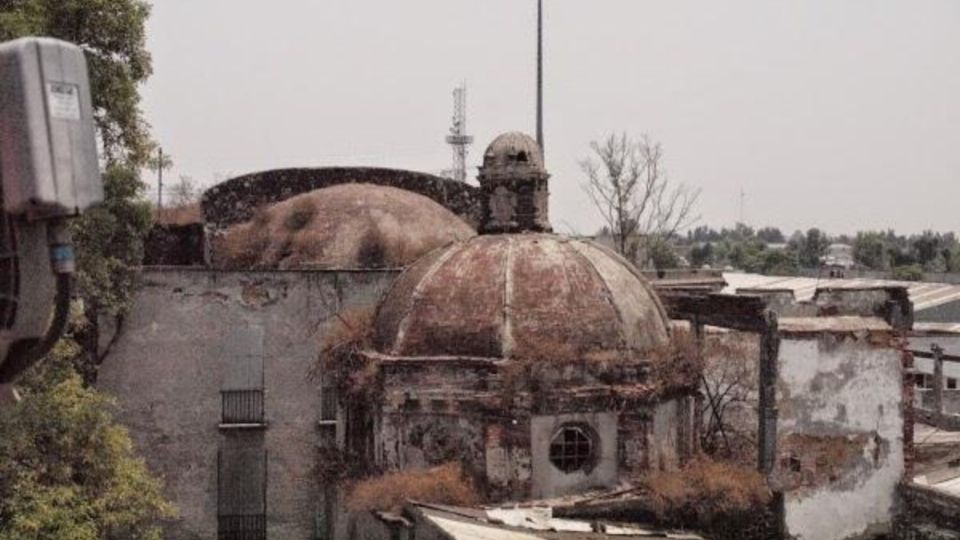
<point>527,356</point>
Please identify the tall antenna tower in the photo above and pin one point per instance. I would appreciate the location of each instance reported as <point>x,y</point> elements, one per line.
<point>458,137</point>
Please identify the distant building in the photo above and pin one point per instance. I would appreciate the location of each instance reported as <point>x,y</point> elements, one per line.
<point>837,259</point>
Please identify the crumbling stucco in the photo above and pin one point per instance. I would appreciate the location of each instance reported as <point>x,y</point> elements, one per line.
<point>840,433</point>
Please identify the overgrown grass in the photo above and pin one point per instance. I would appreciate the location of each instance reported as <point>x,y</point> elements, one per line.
<point>711,495</point>
<point>674,366</point>
<point>445,484</point>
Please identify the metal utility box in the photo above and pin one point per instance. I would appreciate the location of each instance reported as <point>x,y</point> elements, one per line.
<point>48,149</point>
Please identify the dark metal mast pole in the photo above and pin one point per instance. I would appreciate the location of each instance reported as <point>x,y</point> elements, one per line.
<point>540,75</point>
<point>160,178</point>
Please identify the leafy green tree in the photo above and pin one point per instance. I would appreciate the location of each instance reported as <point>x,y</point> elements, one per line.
<point>109,238</point>
<point>778,262</point>
<point>662,255</point>
<point>67,470</point>
<point>810,247</point>
<point>952,258</point>
<point>910,272</point>
<point>111,33</point>
<point>926,247</point>
<point>771,235</point>
<point>110,242</point>
<point>869,250</point>
<point>702,254</point>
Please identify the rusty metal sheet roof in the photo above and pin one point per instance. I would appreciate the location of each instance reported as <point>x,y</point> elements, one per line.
<point>924,295</point>
<point>514,295</point>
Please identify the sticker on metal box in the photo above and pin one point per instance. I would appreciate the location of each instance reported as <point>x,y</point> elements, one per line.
<point>64,100</point>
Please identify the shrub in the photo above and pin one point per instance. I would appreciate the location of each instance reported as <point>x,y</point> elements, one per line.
<point>910,272</point>
<point>67,468</point>
<point>676,365</point>
<point>445,484</point>
<point>341,363</point>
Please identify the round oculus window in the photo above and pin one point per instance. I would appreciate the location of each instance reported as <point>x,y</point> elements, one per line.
<point>573,448</point>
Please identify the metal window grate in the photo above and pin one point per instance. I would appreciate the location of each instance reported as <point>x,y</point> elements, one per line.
<point>242,527</point>
<point>572,449</point>
<point>241,493</point>
<point>242,406</point>
<point>328,403</point>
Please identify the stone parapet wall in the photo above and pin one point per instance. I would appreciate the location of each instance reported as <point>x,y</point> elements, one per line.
<point>235,200</point>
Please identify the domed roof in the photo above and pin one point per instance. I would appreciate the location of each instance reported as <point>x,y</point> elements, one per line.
<point>513,150</point>
<point>509,296</point>
<point>343,226</point>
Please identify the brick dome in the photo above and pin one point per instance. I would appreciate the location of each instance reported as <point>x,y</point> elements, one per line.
<point>343,226</point>
<point>509,296</point>
<point>514,150</point>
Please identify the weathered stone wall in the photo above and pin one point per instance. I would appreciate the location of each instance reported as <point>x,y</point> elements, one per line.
<point>840,444</point>
<point>235,200</point>
<point>169,364</point>
<point>476,411</point>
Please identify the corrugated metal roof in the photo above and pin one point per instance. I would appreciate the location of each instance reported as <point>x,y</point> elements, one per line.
<point>924,295</point>
<point>531,523</point>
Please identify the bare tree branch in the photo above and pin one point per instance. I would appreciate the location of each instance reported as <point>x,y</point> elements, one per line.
<point>626,182</point>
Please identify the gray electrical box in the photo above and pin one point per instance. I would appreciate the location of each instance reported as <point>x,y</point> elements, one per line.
<point>48,149</point>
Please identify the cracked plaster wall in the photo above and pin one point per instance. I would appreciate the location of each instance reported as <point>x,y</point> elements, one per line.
<point>167,368</point>
<point>840,435</point>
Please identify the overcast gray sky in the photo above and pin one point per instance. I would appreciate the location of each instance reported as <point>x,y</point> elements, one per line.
<point>838,114</point>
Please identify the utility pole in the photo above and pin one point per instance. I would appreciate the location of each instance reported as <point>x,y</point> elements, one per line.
<point>743,197</point>
<point>160,178</point>
<point>540,76</point>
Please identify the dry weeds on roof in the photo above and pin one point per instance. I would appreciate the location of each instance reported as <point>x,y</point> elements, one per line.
<point>341,364</point>
<point>344,226</point>
<point>671,368</point>
<point>178,215</point>
<point>446,484</point>
<point>721,497</point>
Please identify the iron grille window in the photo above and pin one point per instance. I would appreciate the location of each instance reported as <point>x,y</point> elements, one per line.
<point>573,448</point>
<point>242,406</point>
<point>328,403</point>
<point>242,527</point>
<point>328,417</point>
<point>241,493</point>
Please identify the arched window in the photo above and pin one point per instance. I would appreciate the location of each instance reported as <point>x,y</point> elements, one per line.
<point>574,448</point>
